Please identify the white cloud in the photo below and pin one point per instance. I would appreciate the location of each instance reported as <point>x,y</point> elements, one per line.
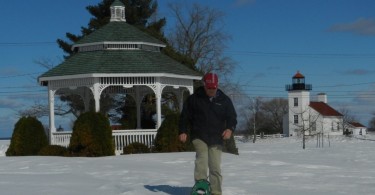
<point>362,26</point>
<point>9,70</point>
<point>358,72</point>
<point>10,103</point>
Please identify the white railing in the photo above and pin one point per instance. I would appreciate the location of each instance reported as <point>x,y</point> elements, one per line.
<point>121,138</point>
<point>61,138</point>
<point>272,136</point>
<point>268,136</point>
<point>262,136</point>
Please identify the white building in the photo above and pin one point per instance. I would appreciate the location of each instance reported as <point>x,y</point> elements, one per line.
<point>356,128</point>
<point>307,116</point>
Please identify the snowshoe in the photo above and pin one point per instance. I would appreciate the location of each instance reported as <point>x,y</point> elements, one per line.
<point>201,187</point>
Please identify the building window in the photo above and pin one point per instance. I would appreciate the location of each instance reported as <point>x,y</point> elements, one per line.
<point>313,126</point>
<point>332,125</point>
<point>295,119</point>
<point>338,126</point>
<point>295,102</point>
<point>118,13</point>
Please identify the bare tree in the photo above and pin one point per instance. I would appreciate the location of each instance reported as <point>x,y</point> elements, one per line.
<point>37,110</point>
<point>372,123</point>
<point>274,110</point>
<point>255,105</point>
<point>306,123</point>
<point>69,103</point>
<point>347,118</point>
<point>264,116</point>
<point>47,63</point>
<point>40,109</point>
<point>199,34</point>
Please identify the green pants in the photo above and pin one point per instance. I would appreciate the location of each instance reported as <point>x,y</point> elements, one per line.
<point>208,159</point>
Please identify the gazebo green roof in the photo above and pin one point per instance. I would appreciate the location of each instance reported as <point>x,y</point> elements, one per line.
<point>119,48</point>
<point>119,62</point>
<point>117,3</point>
<point>119,32</point>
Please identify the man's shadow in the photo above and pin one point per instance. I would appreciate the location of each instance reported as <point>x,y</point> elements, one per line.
<point>172,190</point>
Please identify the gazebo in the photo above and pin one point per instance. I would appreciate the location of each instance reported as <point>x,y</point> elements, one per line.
<point>117,58</point>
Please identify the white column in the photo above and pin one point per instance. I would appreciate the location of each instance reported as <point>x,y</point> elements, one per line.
<point>158,92</point>
<point>191,89</point>
<point>96,93</point>
<point>180,99</point>
<point>51,103</point>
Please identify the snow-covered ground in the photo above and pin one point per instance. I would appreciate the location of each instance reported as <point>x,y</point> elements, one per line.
<point>271,166</point>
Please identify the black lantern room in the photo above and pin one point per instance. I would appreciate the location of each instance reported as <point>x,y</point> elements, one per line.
<point>298,83</point>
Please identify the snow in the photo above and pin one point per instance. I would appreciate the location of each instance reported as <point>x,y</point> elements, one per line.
<point>270,166</point>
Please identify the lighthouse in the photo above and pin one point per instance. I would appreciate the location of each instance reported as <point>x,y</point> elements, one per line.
<point>298,103</point>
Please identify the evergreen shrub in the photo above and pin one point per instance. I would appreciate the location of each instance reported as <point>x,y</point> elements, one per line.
<point>167,136</point>
<point>230,146</point>
<point>136,148</point>
<point>28,137</point>
<point>92,136</point>
<point>54,150</point>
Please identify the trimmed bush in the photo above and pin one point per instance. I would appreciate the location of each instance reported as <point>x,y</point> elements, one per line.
<point>167,137</point>
<point>136,148</point>
<point>92,136</point>
<point>54,150</point>
<point>28,137</point>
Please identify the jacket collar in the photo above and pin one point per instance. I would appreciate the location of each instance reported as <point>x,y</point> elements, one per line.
<point>202,93</point>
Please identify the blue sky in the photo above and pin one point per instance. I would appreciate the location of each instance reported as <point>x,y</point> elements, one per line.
<point>331,42</point>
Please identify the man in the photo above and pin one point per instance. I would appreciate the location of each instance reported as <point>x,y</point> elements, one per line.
<point>212,118</point>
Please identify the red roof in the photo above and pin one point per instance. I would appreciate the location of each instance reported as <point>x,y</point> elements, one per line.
<point>324,109</point>
<point>357,124</point>
<point>298,75</point>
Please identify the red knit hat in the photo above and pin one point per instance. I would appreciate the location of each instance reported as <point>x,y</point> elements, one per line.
<point>211,81</point>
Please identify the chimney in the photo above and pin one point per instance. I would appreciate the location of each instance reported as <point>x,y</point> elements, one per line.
<point>322,97</point>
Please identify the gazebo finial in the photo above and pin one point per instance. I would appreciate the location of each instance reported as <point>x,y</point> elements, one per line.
<point>117,11</point>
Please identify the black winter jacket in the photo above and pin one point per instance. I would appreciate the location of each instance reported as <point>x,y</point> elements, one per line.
<point>207,118</point>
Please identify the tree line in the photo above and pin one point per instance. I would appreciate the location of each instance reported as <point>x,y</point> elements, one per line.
<point>264,116</point>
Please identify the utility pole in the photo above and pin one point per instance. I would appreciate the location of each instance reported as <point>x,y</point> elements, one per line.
<point>256,104</point>
<point>255,116</point>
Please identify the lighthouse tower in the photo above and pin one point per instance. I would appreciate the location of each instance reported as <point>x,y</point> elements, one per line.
<point>298,103</point>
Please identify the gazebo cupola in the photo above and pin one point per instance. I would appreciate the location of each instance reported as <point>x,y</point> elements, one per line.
<point>117,12</point>
<point>118,35</point>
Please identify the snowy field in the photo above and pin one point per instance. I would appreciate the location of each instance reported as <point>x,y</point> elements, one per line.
<point>273,166</point>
